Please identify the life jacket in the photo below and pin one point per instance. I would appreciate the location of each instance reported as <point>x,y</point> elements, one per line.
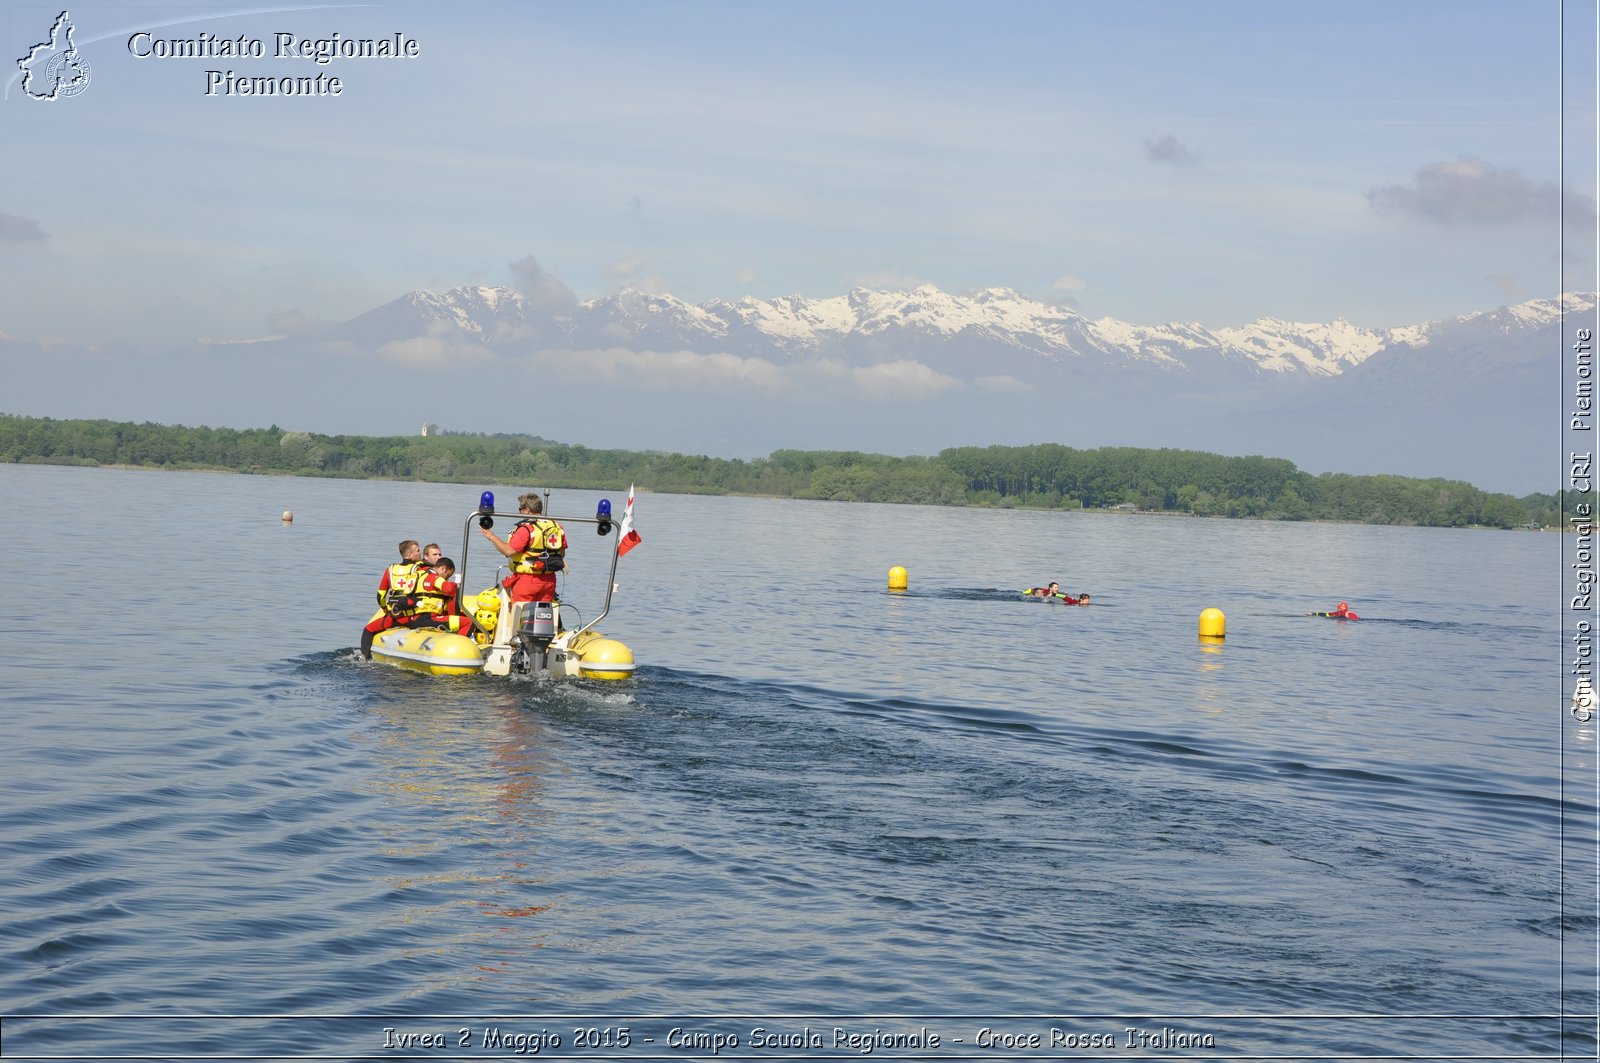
<point>433,595</point>
<point>399,598</point>
<point>546,551</point>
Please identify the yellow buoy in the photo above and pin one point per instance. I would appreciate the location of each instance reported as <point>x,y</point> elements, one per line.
<point>1213,625</point>
<point>897,578</point>
<point>602,658</point>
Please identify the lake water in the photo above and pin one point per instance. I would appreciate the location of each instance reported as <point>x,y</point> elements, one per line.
<point>823,821</point>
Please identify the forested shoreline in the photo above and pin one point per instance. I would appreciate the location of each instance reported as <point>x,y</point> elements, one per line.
<point>1039,476</point>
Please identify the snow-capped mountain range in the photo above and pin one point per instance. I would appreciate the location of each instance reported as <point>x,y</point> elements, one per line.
<point>926,323</point>
<point>1469,397</point>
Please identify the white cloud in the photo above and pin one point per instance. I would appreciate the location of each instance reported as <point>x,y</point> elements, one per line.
<point>625,268</point>
<point>542,290</point>
<point>429,352</point>
<point>1171,151</point>
<point>825,378</point>
<point>1507,284</point>
<point>894,381</point>
<point>630,273</point>
<point>651,285</point>
<point>1061,286</point>
<point>19,230</point>
<point>294,322</point>
<point>1472,192</point>
<point>1003,385</point>
<point>676,369</point>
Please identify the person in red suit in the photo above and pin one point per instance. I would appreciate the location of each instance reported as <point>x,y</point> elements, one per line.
<point>413,595</point>
<point>537,550</point>
<point>437,600</point>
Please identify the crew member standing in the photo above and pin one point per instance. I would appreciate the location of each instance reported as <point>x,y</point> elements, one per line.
<point>537,549</point>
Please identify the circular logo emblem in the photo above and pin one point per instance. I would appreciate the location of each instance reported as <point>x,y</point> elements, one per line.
<point>67,73</point>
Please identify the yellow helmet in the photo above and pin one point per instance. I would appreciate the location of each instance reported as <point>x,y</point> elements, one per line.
<point>489,599</point>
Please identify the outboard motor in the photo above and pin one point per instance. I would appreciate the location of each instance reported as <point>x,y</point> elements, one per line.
<point>537,629</point>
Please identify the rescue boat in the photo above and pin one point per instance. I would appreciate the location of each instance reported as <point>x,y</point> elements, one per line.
<point>514,638</point>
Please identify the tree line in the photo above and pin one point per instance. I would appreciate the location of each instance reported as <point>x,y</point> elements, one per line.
<point>1041,476</point>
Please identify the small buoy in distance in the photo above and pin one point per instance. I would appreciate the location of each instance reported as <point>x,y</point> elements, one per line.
<point>897,578</point>
<point>1213,625</point>
<point>288,516</point>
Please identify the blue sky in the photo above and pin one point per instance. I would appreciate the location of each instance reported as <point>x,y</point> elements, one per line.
<point>1150,160</point>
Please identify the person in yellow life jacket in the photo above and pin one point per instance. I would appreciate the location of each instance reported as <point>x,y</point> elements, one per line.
<point>431,602</point>
<point>537,550</point>
<point>396,591</point>
<point>400,580</point>
<point>437,600</point>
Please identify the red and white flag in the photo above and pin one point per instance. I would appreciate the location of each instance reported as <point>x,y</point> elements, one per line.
<point>630,538</point>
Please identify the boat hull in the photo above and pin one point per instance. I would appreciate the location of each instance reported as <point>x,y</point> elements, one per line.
<point>429,651</point>
<point>572,655</point>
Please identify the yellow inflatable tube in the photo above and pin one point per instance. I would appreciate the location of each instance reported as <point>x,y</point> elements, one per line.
<point>428,650</point>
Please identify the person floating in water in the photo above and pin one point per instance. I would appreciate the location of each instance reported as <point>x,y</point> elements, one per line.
<point>1054,591</point>
<point>1339,612</point>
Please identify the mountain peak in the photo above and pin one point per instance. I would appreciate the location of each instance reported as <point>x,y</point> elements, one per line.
<point>930,323</point>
